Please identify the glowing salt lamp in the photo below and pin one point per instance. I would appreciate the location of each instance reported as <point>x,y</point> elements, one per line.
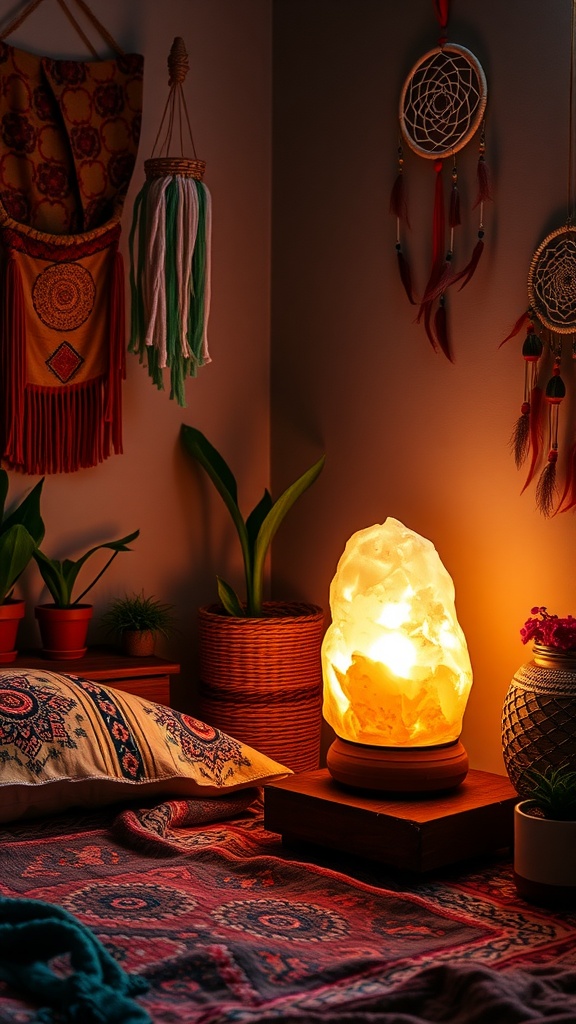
<point>396,667</point>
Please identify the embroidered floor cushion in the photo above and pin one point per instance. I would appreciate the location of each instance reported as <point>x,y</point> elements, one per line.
<point>67,742</point>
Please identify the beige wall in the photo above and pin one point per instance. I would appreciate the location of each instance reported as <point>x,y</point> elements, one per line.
<point>406,434</point>
<point>184,534</point>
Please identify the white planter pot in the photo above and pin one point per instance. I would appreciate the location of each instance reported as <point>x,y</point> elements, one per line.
<point>544,858</point>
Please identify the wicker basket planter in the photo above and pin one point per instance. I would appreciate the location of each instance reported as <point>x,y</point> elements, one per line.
<point>261,679</point>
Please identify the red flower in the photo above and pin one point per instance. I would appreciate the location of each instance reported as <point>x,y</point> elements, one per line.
<point>549,630</point>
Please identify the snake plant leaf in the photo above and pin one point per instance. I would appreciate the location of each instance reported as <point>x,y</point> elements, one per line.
<point>272,521</point>
<point>199,447</point>
<point>229,598</point>
<point>257,517</point>
<point>16,549</point>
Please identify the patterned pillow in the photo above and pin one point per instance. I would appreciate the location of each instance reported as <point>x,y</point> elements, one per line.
<point>68,742</point>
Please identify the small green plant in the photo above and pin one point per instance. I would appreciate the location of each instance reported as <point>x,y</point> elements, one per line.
<point>553,792</point>
<point>257,530</point>
<point>60,576</point>
<point>138,613</point>
<point>21,531</point>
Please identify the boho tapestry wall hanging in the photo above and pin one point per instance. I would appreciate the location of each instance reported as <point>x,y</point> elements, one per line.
<point>170,245</point>
<point>548,350</point>
<point>69,135</point>
<point>442,107</point>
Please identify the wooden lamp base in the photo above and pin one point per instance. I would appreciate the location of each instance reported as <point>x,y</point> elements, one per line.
<point>397,770</point>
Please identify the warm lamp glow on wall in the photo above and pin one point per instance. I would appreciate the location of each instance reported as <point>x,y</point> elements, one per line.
<point>396,668</point>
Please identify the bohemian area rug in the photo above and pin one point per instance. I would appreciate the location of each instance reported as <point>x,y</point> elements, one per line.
<point>230,928</point>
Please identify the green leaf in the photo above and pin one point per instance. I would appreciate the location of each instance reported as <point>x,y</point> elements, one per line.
<point>16,549</point>
<point>4,483</point>
<point>271,523</point>
<point>28,514</point>
<point>60,577</point>
<point>198,446</point>
<point>229,598</point>
<point>52,573</point>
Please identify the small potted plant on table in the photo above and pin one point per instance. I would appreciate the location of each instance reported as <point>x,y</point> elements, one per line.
<point>137,620</point>
<point>545,838</point>
<point>64,623</point>
<point>260,666</point>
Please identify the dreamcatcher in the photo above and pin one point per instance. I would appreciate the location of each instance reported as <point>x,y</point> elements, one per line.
<point>441,108</point>
<point>550,322</point>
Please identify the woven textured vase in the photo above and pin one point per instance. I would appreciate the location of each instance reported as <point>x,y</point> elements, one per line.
<point>261,679</point>
<point>539,714</point>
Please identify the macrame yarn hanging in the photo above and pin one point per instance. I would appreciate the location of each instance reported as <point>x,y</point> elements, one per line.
<point>548,351</point>
<point>170,243</point>
<point>442,107</point>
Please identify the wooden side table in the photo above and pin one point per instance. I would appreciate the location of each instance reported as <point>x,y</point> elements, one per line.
<point>145,677</point>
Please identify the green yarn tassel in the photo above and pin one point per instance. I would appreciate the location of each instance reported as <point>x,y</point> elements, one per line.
<point>176,341</point>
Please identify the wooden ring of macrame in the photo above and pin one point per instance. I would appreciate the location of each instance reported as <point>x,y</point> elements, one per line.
<point>552,281</point>
<point>442,101</point>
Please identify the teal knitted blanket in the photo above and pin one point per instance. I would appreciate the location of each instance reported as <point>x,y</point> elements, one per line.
<point>95,991</point>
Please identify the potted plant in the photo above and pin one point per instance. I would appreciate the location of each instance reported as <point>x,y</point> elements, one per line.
<point>21,530</point>
<point>64,622</point>
<point>540,704</point>
<point>260,668</point>
<point>137,620</point>
<point>545,838</point>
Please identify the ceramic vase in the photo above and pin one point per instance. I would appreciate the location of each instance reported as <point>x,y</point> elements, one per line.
<point>539,714</point>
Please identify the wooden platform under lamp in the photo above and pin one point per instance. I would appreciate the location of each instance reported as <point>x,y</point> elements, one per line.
<point>416,834</point>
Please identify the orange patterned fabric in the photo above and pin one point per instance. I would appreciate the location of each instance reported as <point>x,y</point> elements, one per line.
<point>69,134</point>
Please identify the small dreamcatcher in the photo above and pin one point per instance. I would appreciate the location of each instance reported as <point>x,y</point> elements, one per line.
<point>442,107</point>
<point>550,323</point>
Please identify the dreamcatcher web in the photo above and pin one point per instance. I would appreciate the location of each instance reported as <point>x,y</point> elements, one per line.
<point>552,281</point>
<point>443,101</point>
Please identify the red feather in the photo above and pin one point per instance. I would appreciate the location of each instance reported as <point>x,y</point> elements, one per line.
<point>398,201</point>
<point>470,268</point>
<point>428,327</point>
<point>517,328</point>
<point>454,215</point>
<point>536,406</point>
<point>441,328</point>
<point>483,176</point>
<point>569,494</point>
<point>405,275</point>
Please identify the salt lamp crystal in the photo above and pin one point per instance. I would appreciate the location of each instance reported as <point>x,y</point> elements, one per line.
<point>395,661</point>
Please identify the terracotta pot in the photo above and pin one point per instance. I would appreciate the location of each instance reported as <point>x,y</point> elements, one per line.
<point>261,679</point>
<point>544,861</point>
<point>64,630</point>
<point>538,715</point>
<point>11,613</point>
<point>138,643</point>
